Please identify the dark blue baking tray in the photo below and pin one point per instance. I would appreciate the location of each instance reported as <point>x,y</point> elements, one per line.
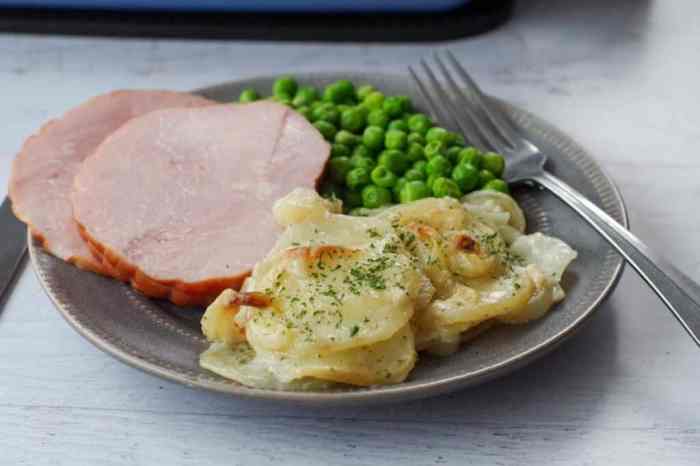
<point>469,18</point>
<point>301,6</point>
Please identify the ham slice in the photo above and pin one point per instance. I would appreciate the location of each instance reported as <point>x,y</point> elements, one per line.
<point>43,172</point>
<point>179,201</point>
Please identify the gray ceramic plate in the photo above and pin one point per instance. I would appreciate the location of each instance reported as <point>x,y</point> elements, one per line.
<point>163,340</point>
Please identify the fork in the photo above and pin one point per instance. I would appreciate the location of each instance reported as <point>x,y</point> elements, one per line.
<point>485,125</point>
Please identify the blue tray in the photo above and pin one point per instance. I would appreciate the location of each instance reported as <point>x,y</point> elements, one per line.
<point>305,6</point>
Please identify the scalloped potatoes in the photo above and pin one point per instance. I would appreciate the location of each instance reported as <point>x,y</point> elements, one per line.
<point>350,300</point>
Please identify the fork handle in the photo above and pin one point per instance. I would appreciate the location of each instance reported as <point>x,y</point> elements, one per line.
<point>677,291</point>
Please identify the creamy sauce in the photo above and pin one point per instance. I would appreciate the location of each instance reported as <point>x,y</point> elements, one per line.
<point>352,299</point>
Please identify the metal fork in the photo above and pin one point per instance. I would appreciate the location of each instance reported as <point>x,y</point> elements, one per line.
<point>485,125</point>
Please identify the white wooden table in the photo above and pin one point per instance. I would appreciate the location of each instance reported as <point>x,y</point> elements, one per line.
<point>621,77</point>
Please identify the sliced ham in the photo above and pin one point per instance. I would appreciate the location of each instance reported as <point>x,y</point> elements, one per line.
<point>179,201</point>
<point>43,172</point>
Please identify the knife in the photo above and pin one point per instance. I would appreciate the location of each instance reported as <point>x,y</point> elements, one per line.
<point>13,246</point>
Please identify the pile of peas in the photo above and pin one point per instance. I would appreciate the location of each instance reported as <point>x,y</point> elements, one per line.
<point>383,152</point>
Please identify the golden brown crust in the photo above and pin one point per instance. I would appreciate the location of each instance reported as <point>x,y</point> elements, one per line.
<point>84,263</point>
<point>95,266</point>
<point>252,298</point>
<point>315,253</point>
<point>178,292</point>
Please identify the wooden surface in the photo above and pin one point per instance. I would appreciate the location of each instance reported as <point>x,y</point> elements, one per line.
<point>621,77</point>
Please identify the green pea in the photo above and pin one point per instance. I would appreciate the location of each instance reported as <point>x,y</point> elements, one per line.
<point>415,152</point>
<point>284,86</point>
<point>420,165</point>
<point>419,123</point>
<point>361,151</point>
<point>361,108</point>
<point>393,106</point>
<point>248,95</point>
<point>394,160</point>
<point>373,137</point>
<point>378,117</point>
<point>406,104</point>
<point>304,96</point>
<point>444,187</point>
<point>415,138</point>
<point>353,120</point>
<point>413,191</point>
<point>437,134</point>
<point>374,100</point>
<point>413,175</point>
<point>375,196</point>
<point>368,163</point>
<point>395,139</point>
<point>339,92</point>
<point>331,95</point>
<point>497,185</point>
<point>326,128</point>
<point>305,111</point>
<point>466,176</point>
<point>398,125</point>
<point>495,163</point>
<point>383,177</point>
<point>434,149</point>
<point>342,107</point>
<point>363,91</point>
<point>352,198</point>
<point>450,138</point>
<point>460,141</point>
<point>357,178</point>
<point>438,165</point>
<point>470,155</point>
<point>318,103</point>
<point>347,138</point>
<point>339,150</point>
<point>396,190</point>
<point>452,154</point>
<point>326,112</point>
<point>331,191</point>
<point>484,177</point>
<point>431,179</point>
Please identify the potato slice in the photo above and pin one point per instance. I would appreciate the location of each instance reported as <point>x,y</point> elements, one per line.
<point>539,303</point>
<point>493,204</point>
<point>332,298</point>
<point>449,339</point>
<point>218,322</point>
<point>386,362</point>
<point>477,301</point>
<point>240,364</point>
<point>440,213</point>
<point>303,205</point>
<point>551,255</point>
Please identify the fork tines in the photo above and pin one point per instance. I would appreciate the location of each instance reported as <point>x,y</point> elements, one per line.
<point>458,103</point>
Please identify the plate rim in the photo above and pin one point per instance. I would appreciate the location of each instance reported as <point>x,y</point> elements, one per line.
<point>392,393</point>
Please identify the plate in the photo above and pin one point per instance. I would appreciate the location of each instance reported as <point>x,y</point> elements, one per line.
<point>166,341</point>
